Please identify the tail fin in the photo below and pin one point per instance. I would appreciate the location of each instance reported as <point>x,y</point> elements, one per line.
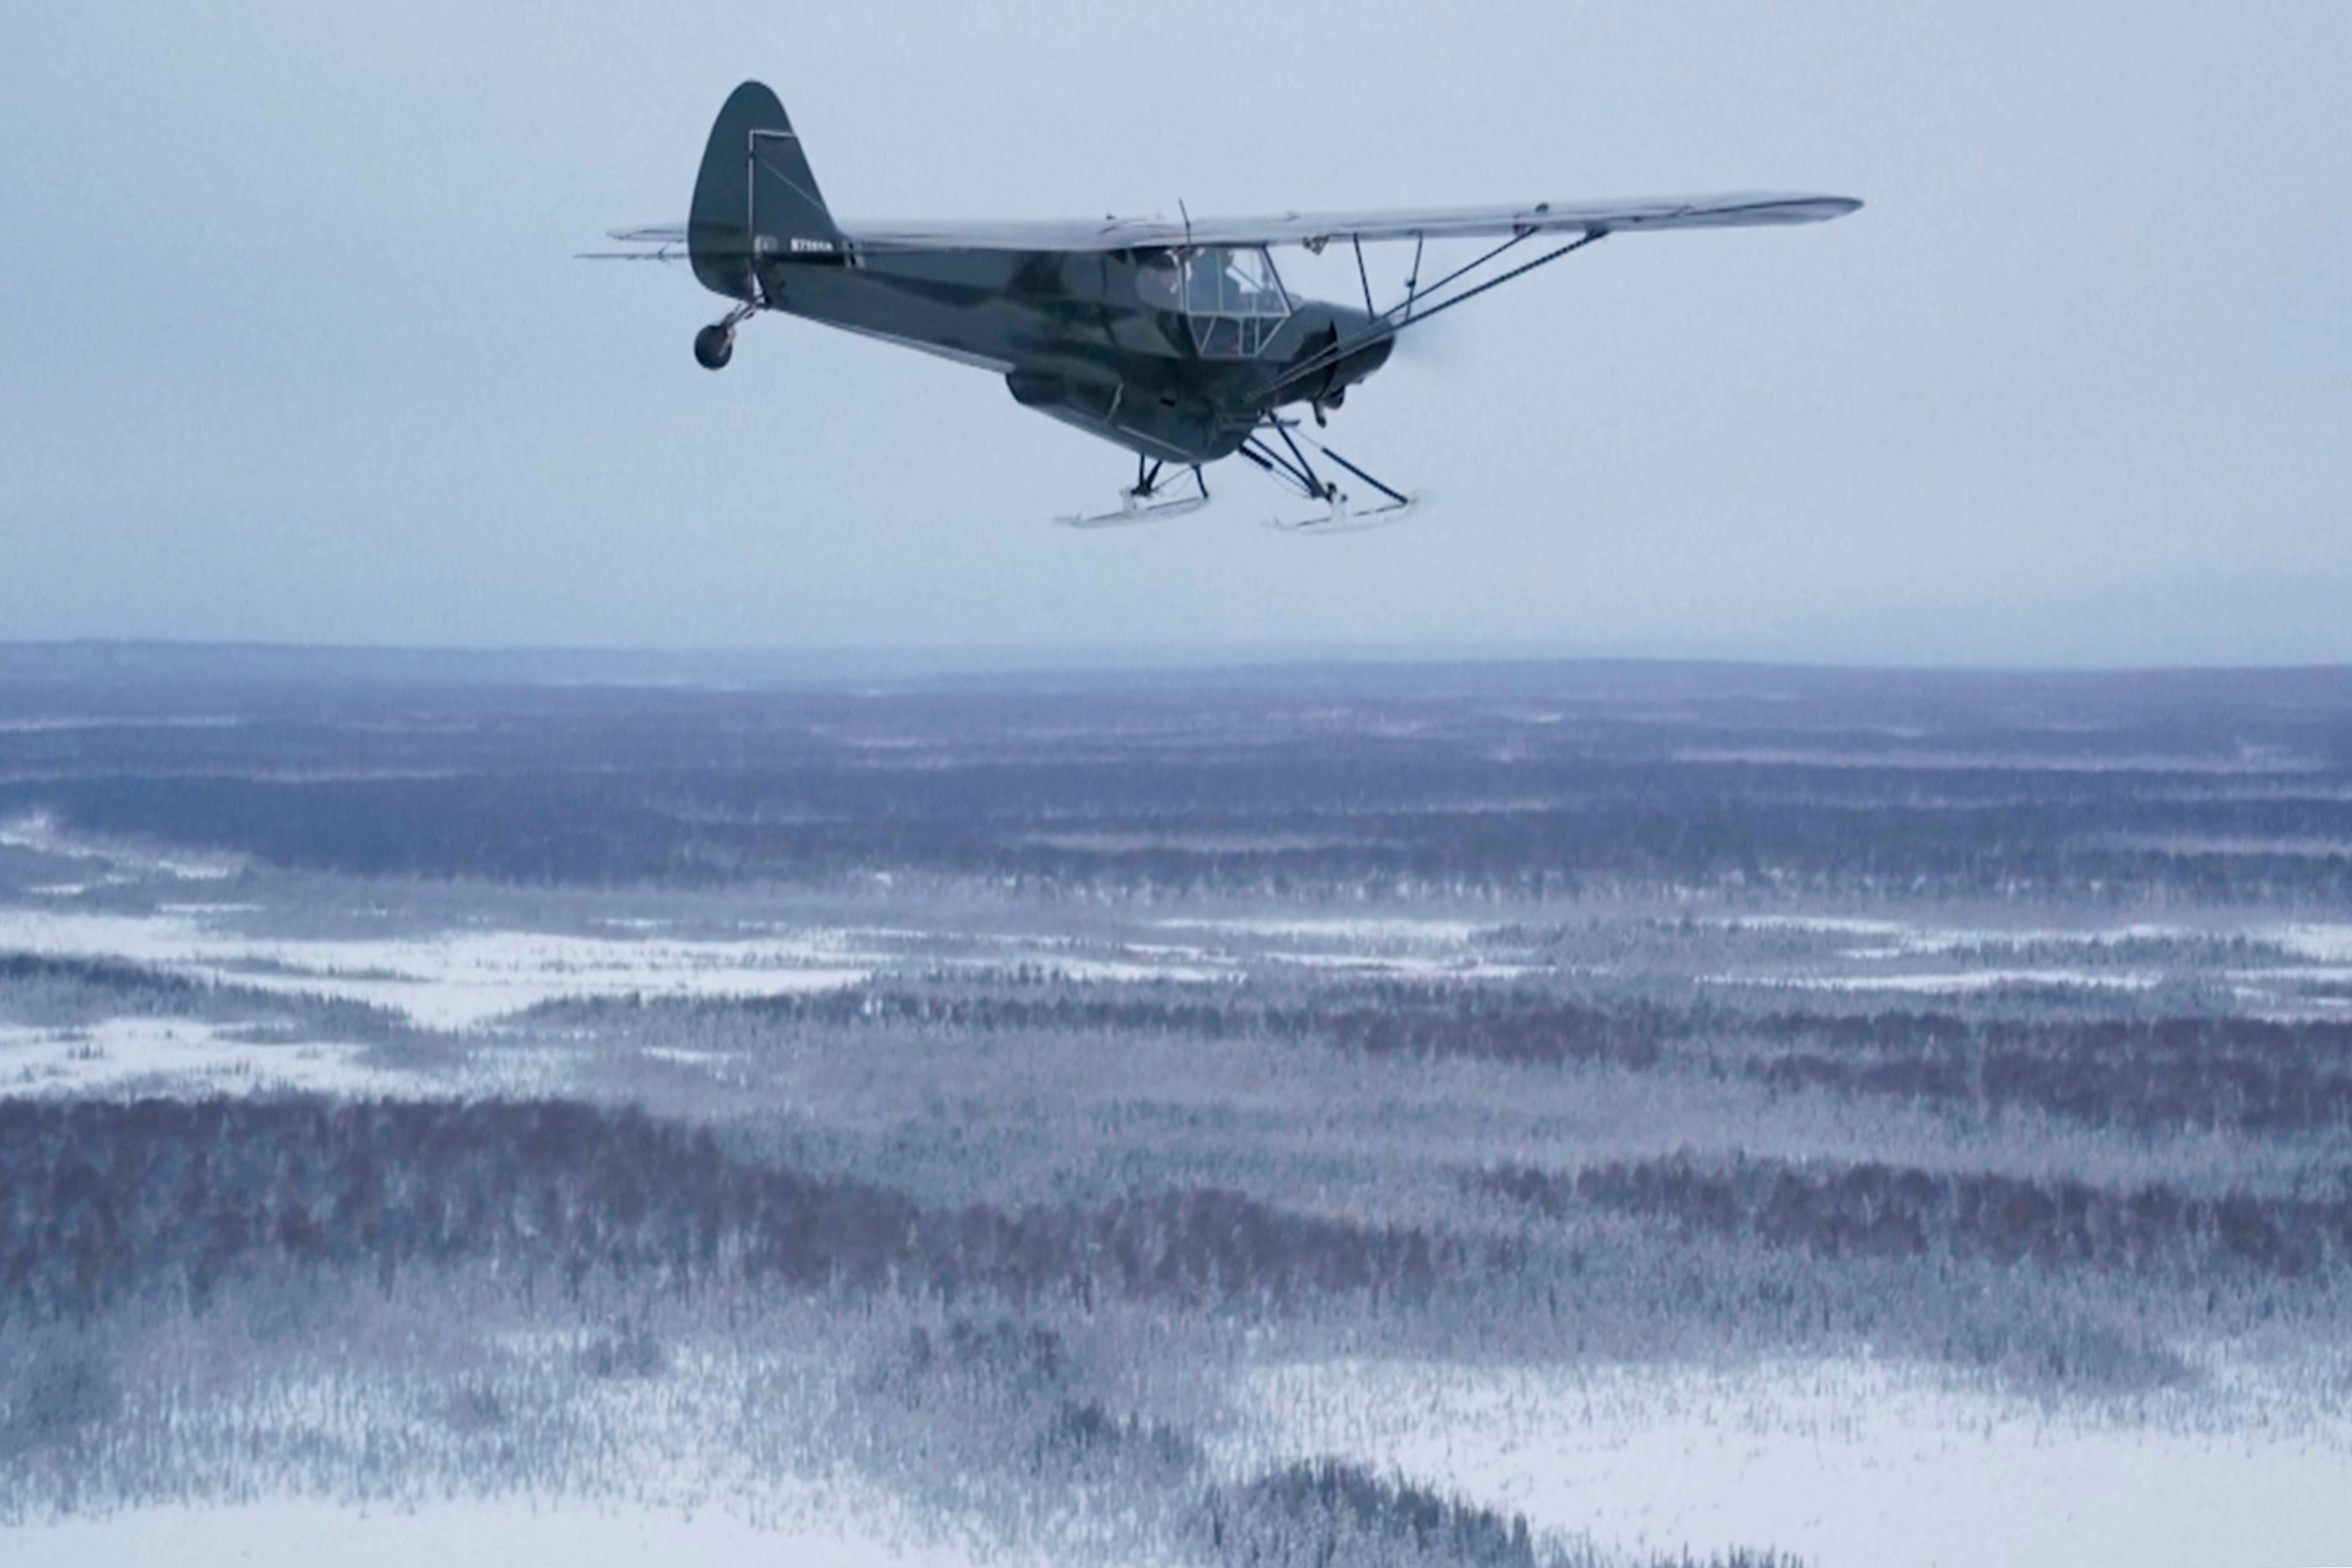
<point>754,196</point>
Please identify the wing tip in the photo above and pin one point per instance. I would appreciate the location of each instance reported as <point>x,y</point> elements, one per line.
<point>1817,209</point>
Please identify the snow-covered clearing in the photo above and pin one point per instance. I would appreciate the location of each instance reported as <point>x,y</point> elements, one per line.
<point>1950,961</point>
<point>446,979</point>
<point>463,978</point>
<point>1844,1464</point>
<point>182,1055</point>
<point>852,1532</point>
<point>1361,929</point>
<point>2320,944</point>
<point>1459,966</point>
<point>1953,982</point>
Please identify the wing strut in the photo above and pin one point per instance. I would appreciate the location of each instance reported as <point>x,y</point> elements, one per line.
<point>1410,312</point>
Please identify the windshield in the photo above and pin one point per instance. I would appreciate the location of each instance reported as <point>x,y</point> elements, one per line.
<point>1230,295</point>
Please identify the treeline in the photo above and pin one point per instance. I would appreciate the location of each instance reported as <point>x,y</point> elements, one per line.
<point>2203,1071</point>
<point>1318,1513</point>
<point>1471,1021</point>
<point>1873,1210</point>
<point>1313,815</point>
<point>1374,1019</point>
<point>1378,1019</point>
<point>115,977</point>
<point>1526,780</point>
<point>100,1200</point>
<point>39,987</point>
<point>1311,1515</point>
<point>2257,1075</point>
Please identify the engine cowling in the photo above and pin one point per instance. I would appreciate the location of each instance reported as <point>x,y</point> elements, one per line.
<point>1326,385</point>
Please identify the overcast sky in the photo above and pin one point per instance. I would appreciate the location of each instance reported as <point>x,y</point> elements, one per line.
<point>291,347</point>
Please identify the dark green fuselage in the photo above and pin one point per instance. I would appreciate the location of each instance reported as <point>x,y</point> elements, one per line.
<point>1073,337</point>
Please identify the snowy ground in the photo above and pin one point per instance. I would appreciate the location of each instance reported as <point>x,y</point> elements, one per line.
<point>852,1532</point>
<point>2273,965</point>
<point>1844,1464</point>
<point>442,980</point>
<point>460,979</point>
<point>184,1056</point>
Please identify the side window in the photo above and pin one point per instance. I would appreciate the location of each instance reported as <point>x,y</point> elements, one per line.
<point>1160,281</point>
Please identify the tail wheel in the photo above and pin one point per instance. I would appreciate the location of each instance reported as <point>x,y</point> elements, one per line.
<point>714,346</point>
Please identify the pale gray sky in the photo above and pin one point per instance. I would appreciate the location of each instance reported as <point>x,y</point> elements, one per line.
<point>291,346</point>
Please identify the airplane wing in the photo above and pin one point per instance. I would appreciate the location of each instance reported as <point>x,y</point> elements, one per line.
<point>1313,230</point>
<point>1316,230</point>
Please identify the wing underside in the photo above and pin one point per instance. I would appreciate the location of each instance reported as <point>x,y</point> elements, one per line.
<point>1315,230</point>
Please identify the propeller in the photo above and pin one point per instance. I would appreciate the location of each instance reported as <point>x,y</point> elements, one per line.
<point>1441,344</point>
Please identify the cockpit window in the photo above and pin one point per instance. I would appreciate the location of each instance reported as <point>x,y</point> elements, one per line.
<point>1231,296</point>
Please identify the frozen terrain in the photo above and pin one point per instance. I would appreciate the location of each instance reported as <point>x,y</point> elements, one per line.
<point>1463,1117</point>
<point>1846,1463</point>
<point>440,979</point>
<point>300,1533</point>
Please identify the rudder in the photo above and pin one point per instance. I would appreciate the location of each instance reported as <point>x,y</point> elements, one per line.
<point>755,195</point>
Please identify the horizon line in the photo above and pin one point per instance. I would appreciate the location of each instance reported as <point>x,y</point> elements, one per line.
<point>1097,658</point>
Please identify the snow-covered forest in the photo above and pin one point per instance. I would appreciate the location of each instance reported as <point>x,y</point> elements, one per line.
<point>1453,1115</point>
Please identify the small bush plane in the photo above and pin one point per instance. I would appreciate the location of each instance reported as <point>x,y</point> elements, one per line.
<point>1176,341</point>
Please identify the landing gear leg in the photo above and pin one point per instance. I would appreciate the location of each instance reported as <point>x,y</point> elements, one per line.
<point>1150,498</point>
<point>1289,466</point>
<point>715,344</point>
